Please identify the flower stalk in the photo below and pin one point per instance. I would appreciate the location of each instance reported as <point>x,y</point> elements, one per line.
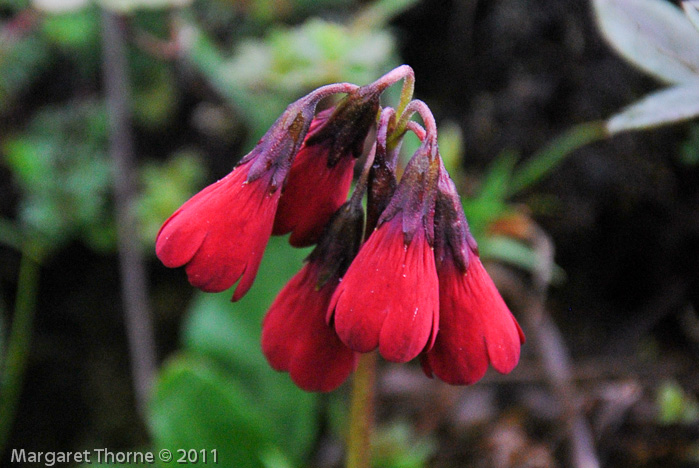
<point>361,413</point>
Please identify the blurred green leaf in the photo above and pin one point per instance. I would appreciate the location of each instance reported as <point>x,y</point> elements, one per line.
<point>165,187</point>
<point>10,234</point>
<point>265,75</point>
<point>61,166</point>
<point>196,406</point>
<point>451,147</point>
<point>691,9</point>
<point>653,35</point>
<point>676,406</point>
<point>379,13</point>
<point>660,108</point>
<point>155,93</point>
<point>514,252</point>
<point>545,160</point>
<point>690,148</point>
<point>229,335</point>
<point>74,31</point>
<point>21,63</point>
<point>396,446</point>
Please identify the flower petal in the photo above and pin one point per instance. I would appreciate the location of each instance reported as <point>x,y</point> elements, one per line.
<point>220,233</point>
<point>313,192</point>
<point>389,296</point>
<point>475,327</point>
<point>295,337</point>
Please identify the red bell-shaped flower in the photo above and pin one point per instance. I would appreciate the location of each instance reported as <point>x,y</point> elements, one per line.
<point>220,233</point>
<point>389,296</point>
<point>475,325</point>
<point>321,174</point>
<point>295,335</point>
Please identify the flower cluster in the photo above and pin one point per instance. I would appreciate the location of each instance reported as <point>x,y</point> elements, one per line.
<point>407,282</point>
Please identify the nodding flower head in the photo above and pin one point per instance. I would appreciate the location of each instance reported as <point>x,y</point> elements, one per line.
<point>389,296</point>
<point>295,335</point>
<point>220,233</point>
<point>321,175</point>
<point>475,325</point>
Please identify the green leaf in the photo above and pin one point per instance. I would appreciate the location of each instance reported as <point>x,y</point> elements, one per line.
<point>653,35</point>
<point>497,180</point>
<point>396,446</point>
<point>229,335</point>
<point>77,30</point>
<point>675,405</point>
<point>61,166</point>
<point>165,187</point>
<point>660,108</point>
<point>21,63</point>
<point>545,160</point>
<point>516,253</point>
<point>195,406</point>
<point>691,9</point>
<point>451,147</point>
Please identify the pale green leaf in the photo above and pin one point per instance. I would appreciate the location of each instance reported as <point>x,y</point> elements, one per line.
<point>691,8</point>
<point>660,108</point>
<point>653,35</point>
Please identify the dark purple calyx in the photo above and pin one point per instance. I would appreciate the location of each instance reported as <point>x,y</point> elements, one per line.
<point>415,195</point>
<point>453,239</point>
<point>345,130</point>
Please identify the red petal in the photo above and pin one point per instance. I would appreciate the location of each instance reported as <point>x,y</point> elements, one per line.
<point>313,192</point>
<point>220,233</point>
<point>389,296</point>
<point>475,327</point>
<point>295,337</point>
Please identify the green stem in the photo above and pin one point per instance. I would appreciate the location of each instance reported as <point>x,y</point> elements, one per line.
<point>19,341</point>
<point>545,160</point>
<point>361,413</point>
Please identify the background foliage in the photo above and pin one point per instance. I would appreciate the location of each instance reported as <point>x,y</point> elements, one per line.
<point>521,89</point>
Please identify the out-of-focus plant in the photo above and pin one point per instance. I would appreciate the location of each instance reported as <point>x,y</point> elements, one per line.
<point>675,405</point>
<point>655,36</point>
<point>165,187</point>
<point>61,164</point>
<point>397,446</point>
<point>264,75</point>
<point>219,392</point>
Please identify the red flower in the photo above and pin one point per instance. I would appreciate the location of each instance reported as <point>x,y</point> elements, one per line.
<point>296,338</point>
<point>475,325</point>
<point>389,296</point>
<point>321,174</point>
<point>219,235</point>
<point>313,191</point>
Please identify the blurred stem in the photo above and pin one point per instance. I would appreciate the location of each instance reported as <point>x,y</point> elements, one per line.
<point>361,413</point>
<point>19,339</point>
<point>543,162</point>
<point>139,328</point>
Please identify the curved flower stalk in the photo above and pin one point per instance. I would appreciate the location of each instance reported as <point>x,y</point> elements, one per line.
<point>475,325</point>
<point>219,235</point>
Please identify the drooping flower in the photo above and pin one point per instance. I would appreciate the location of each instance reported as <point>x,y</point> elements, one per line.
<point>389,296</point>
<point>475,325</point>
<point>295,335</point>
<point>220,234</point>
<point>321,174</point>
